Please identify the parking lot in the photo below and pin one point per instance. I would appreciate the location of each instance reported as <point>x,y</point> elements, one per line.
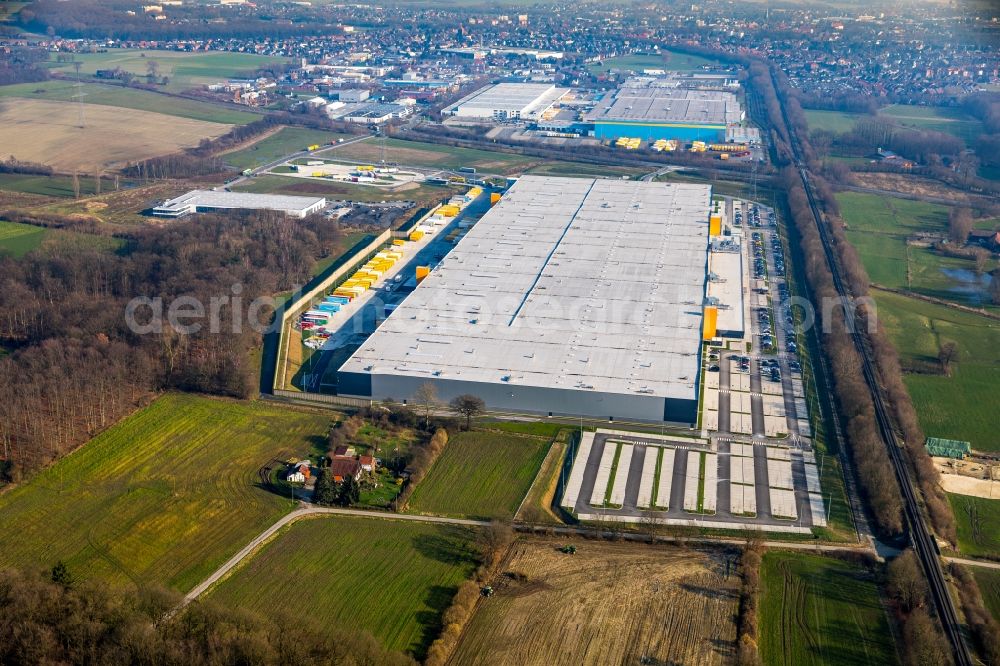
<point>721,482</point>
<point>754,464</point>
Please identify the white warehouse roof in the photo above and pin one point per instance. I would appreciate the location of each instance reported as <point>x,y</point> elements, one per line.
<point>205,200</point>
<point>650,100</point>
<point>507,100</point>
<point>571,283</point>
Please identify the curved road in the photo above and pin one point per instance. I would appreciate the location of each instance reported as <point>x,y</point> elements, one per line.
<point>302,512</point>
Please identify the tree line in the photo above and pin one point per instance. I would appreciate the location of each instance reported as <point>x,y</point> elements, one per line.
<point>76,367</point>
<point>49,618</point>
<point>876,478</point>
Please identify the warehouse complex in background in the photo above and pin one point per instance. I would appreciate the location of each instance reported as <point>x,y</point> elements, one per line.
<point>652,108</point>
<point>206,201</point>
<point>507,101</point>
<point>569,297</point>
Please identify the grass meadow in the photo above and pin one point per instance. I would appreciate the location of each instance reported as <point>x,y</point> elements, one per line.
<point>989,587</point>
<point>19,239</point>
<point>480,474</point>
<point>285,141</point>
<point>959,406</point>
<point>818,610</point>
<point>392,578</point>
<point>989,513</point>
<point>936,119</point>
<point>419,153</point>
<point>185,70</point>
<point>163,497</point>
<point>128,98</point>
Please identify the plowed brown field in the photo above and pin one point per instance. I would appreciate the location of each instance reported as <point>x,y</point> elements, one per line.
<point>607,604</point>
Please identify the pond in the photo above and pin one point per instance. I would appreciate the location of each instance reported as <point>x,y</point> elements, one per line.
<point>973,287</point>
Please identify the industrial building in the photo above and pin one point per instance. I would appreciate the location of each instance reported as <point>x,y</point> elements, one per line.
<point>650,109</point>
<point>507,101</point>
<point>206,201</point>
<point>571,296</point>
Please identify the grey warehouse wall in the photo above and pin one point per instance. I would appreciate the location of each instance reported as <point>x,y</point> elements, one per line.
<point>527,399</point>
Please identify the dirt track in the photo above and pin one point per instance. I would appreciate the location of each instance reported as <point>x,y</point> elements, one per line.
<point>608,604</point>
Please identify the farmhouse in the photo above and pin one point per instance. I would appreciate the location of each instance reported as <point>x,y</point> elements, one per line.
<point>343,468</point>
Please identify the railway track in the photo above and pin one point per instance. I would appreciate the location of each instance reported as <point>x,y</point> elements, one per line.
<point>920,536</point>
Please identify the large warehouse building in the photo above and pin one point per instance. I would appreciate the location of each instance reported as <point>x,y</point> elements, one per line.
<point>570,296</point>
<point>651,109</point>
<point>507,101</point>
<point>206,201</point>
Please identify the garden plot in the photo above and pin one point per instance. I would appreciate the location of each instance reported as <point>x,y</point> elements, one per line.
<point>812,478</point>
<point>741,470</point>
<point>742,500</point>
<point>774,405</point>
<point>770,388</point>
<point>711,485</point>
<point>666,480</point>
<point>783,503</point>
<point>775,425</point>
<point>572,493</point>
<point>817,509</point>
<point>739,381</point>
<point>711,380</point>
<point>739,403</point>
<point>649,461</point>
<point>600,492</point>
<point>801,408</point>
<point>620,481</point>
<point>741,424</point>
<point>692,480</point>
<point>778,453</point>
<point>779,474</point>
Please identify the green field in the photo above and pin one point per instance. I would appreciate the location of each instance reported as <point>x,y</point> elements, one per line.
<point>837,122</point>
<point>163,497</point>
<point>989,587</point>
<point>818,610</point>
<point>392,578</point>
<point>285,141</point>
<point>18,239</point>
<point>185,70</point>
<point>50,186</point>
<point>335,190</point>
<point>419,153</point>
<point>670,60</point>
<point>989,512</point>
<point>937,119</point>
<point>480,475</point>
<point>961,406</point>
<point>128,98</point>
<point>583,169</point>
<point>879,226</point>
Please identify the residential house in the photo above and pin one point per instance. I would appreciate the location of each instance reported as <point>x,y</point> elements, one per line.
<point>343,468</point>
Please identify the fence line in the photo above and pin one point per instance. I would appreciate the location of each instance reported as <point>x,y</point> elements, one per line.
<point>294,307</point>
